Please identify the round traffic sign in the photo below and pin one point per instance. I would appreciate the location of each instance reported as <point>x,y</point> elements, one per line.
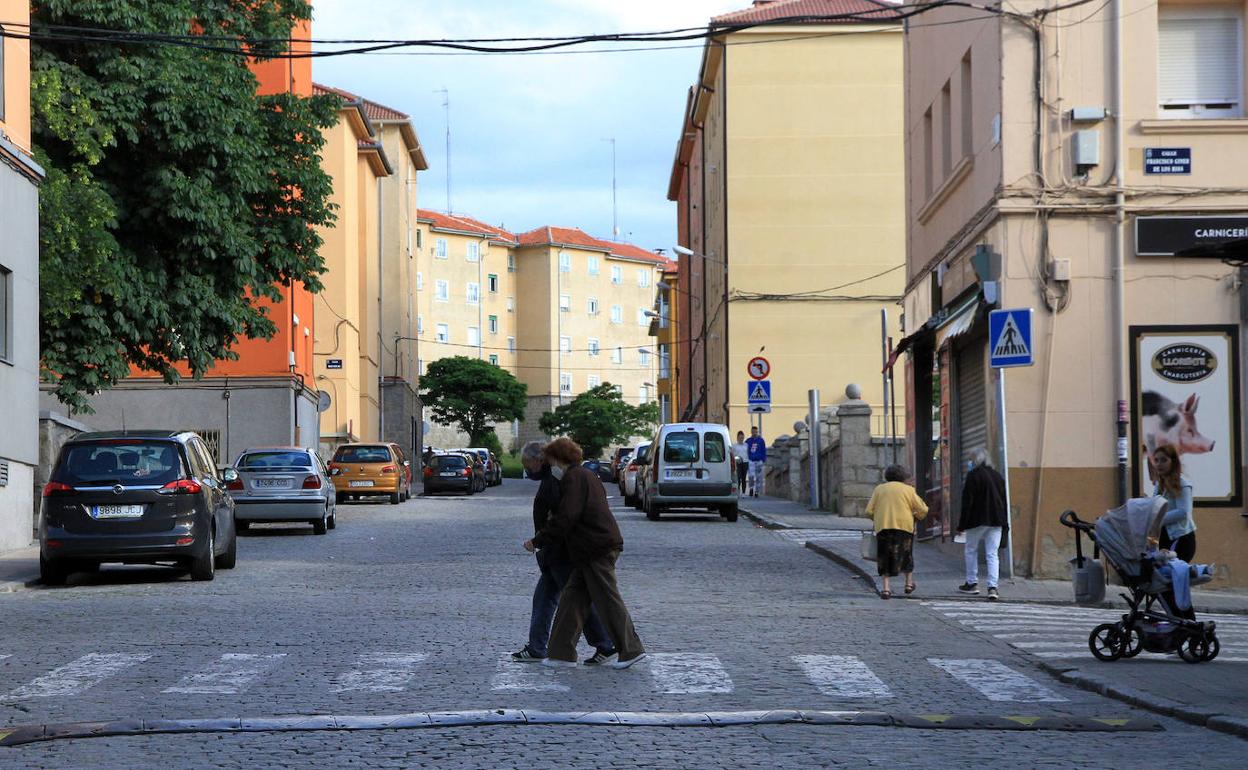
<point>759,368</point>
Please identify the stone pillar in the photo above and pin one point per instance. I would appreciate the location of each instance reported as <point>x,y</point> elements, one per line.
<point>859,472</point>
<point>794,492</point>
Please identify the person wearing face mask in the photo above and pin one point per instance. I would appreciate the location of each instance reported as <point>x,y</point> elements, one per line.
<point>555,568</point>
<point>584,526</point>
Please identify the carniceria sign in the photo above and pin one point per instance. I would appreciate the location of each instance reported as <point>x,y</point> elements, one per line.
<point>1184,363</point>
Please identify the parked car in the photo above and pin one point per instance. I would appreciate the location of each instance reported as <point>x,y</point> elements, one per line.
<point>478,468</point>
<point>493,471</point>
<point>691,466</point>
<point>498,470</point>
<point>601,469</point>
<point>617,461</point>
<point>450,472</point>
<point>371,470</point>
<point>620,465</point>
<point>628,484</point>
<point>136,497</point>
<point>283,484</point>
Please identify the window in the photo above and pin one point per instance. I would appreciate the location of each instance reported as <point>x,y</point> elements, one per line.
<point>474,293</point>
<point>493,324</point>
<point>511,263</point>
<point>592,344</point>
<point>665,363</point>
<point>419,238</point>
<point>713,448</point>
<point>442,290</point>
<point>680,447</point>
<point>420,366</point>
<point>565,344</point>
<point>592,306</point>
<point>6,304</point>
<point>593,381</point>
<point>511,344</point>
<point>565,303</point>
<point>473,251</point>
<point>420,324</point>
<point>594,265</point>
<point>643,395</point>
<point>492,283</point>
<point>420,281</point>
<point>1200,61</point>
<point>443,334</point>
<point>617,356</point>
<point>617,274</point>
<point>565,383</point>
<point>617,314</point>
<point>642,318</point>
<point>643,357</point>
<point>968,107</point>
<point>511,304</point>
<point>474,336</point>
<point>946,130</point>
<point>565,262</point>
<point>643,277</point>
<point>927,154</point>
<point>439,248</point>
<point>494,359</point>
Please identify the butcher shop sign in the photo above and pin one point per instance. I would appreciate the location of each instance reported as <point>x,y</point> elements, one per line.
<point>1184,393</point>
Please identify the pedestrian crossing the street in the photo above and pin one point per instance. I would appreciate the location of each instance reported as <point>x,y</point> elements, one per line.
<point>847,678</point>
<point>1061,632</point>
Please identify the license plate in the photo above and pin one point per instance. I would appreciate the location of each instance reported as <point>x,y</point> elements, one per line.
<point>687,474</point>
<point>116,511</point>
<point>452,473</point>
<point>361,484</point>
<point>271,483</point>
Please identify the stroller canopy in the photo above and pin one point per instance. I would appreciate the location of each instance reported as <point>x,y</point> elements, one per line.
<point>1123,532</point>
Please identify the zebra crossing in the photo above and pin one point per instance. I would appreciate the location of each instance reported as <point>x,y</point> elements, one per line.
<point>804,536</point>
<point>840,677</point>
<point>1061,632</point>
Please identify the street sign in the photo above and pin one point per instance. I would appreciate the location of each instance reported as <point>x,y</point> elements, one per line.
<point>333,363</point>
<point>759,368</point>
<point>1167,160</point>
<point>758,395</point>
<point>1009,338</point>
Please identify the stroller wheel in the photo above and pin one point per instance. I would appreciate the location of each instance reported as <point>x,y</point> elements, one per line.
<point>1214,647</point>
<point>1106,642</point>
<point>1194,649</point>
<point>1134,645</point>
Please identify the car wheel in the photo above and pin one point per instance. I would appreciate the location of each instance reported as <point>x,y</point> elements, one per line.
<point>51,573</point>
<point>333,520</point>
<point>228,559</point>
<point>321,526</point>
<point>242,526</point>
<point>652,512</point>
<point>339,498</point>
<point>630,501</point>
<point>204,566</point>
<point>395,498</point>
<point>729,512</point>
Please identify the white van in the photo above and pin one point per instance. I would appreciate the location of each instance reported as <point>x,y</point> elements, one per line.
<point>691,466</point>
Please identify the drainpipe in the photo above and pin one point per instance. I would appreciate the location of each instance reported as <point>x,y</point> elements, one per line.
<point>1117,274</point>
<point>381,315</point>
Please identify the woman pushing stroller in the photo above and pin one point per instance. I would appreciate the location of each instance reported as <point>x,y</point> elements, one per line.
<point>1178,528</point>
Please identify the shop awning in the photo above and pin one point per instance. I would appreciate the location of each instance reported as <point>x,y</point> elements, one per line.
<point>958,323</point>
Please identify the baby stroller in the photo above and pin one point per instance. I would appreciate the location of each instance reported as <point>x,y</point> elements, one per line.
<point>1154,623</point>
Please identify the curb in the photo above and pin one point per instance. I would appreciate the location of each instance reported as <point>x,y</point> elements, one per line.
<point>764,521</point>
<point>849,564</point>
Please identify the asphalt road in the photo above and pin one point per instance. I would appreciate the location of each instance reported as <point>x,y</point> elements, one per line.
<point>414,608</point>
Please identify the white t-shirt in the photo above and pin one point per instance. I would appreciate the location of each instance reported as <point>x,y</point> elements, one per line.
<point>742,453</point>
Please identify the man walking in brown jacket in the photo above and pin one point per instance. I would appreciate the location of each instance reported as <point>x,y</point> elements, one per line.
<point>584,526</point>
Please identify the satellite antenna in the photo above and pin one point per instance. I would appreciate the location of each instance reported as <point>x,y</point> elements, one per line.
<point>323,402</point>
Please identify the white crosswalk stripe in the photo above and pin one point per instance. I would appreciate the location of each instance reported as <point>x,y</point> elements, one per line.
<point>379,672</point>
<point>73,678</point>
<point>231,674</point>
<point>803,536</point>
<point>996,681</point>
<point>1061,632</point>
<point>688,673</point>
<point>843,676</point>
<point>525,677</point>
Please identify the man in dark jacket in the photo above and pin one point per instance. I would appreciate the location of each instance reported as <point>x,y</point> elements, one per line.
<point>555,569</point>
<point>583,525</point>
<point>983,520</point>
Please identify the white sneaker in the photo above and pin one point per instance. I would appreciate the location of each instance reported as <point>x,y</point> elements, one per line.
<point>556,663</point>
<point>622,664</point>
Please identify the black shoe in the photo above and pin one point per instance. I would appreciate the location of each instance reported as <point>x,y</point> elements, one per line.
<point>969,588</point>
<point>526,656</point>
<point>993,595</point>
<point>599,658</point>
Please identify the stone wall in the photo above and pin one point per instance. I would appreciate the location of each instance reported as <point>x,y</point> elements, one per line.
<point>55,429</point>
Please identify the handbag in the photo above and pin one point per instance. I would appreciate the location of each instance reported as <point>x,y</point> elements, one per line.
<point>870,547</point>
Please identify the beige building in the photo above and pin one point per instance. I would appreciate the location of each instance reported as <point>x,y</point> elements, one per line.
<point>789,181</point>
<point>1107,204</point>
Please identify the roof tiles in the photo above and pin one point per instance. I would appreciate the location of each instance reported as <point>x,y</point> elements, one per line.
<point>863,11</point>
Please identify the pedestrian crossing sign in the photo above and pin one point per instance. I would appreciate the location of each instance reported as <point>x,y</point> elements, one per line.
<point>1009,335</point>
<point>758,394</point>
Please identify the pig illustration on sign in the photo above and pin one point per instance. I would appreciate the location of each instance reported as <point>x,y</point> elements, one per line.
<point>1168,423</point>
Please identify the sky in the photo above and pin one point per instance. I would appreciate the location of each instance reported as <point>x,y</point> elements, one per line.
<point>529,134</point>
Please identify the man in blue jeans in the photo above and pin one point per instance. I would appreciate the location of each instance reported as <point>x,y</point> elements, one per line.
<point>556,567</point>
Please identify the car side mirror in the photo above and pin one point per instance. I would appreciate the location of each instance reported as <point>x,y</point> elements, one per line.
<point>229,475</point>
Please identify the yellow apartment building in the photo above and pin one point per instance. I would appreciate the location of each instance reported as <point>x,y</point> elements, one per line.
<point>790,186</point>
<point>1110,208</point>
<point>584,319</point>
<point>466,300</point>
<point>349,341</point>
<point>664,328</point>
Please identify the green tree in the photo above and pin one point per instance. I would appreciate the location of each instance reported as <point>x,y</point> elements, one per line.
<point>175,195</point>
<point>598,418</point>
<point>472,393</point>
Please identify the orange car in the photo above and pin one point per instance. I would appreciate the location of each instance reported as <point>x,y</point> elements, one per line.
<point>371,470</point>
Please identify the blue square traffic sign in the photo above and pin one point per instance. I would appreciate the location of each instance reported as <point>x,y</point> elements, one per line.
<point>759,391</point>
<point>1009,338</point>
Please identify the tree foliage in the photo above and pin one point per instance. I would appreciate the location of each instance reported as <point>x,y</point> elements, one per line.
<point>175,195</point>
<point>600,417</point>
<point>472,394</point>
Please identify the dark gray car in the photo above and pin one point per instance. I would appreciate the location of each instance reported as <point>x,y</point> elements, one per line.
<point>136,497</point>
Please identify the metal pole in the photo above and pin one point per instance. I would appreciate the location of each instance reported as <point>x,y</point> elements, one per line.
<point>816,444</point>
<point>1118,268</point>
<point>892,398</point>
<point>1005,473</point>
<point>884,360</point>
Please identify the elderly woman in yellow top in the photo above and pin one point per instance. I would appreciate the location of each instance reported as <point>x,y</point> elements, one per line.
<point>895,506</point>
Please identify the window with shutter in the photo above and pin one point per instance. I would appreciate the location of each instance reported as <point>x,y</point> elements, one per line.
<point>1200,62</point>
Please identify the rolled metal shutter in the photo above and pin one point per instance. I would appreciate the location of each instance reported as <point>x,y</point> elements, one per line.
<point>972,402</point>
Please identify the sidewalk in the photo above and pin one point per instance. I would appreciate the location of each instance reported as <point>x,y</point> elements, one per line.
<point>1208,694</point>
<point>19,569</point>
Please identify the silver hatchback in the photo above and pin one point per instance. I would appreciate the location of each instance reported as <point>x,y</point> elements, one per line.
<point>283,484</point>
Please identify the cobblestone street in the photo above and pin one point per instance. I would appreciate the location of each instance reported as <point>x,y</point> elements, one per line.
<point>414,608</point>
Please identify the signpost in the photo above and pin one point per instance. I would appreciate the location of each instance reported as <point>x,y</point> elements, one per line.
<point>1009,345</point>
<point>759,396</point>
